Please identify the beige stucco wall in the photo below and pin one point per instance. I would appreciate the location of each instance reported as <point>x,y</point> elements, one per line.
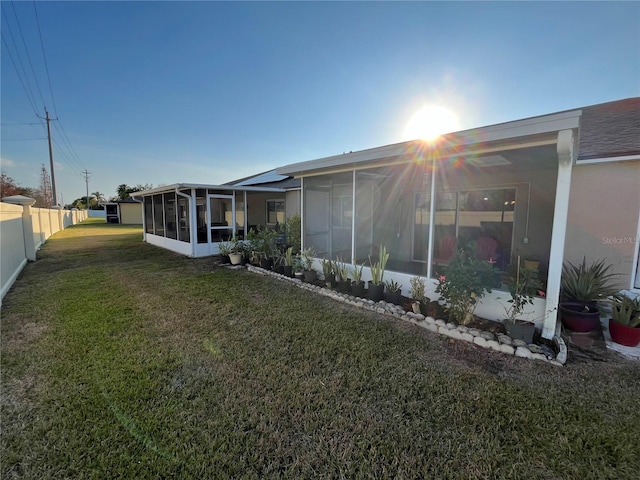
<point>293,203</point>
<point>603,215</point>
<point>131,213</point>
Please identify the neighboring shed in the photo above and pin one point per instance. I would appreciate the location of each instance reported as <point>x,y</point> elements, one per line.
<point>125,212</point>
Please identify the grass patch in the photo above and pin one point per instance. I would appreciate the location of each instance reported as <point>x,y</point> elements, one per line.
<point>120,359</point>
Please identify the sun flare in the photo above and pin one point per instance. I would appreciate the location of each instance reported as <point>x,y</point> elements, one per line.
<point>430,122</point>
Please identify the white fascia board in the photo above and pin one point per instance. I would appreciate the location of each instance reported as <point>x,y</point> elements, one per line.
<point>182,186</point>
<point>622,158</point>
<point>548,124</point>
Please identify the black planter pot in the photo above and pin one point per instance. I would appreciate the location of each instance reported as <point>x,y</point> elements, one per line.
<point>375,292</point>
<point>521,330</point>
<point>310,276</point>
<point>344,286</point>
<point>224,259</point>
<point>279,269</point>
<point>287,270</point>
<point>395,297</point>
<point>579,316</point>
<point>358,289</point>
<point>266,263</point>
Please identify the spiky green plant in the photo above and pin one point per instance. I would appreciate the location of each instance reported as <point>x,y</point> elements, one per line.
<point>588,283</point>
<point>626,311</point>
<point>356,272</point>
<point>393,286</point>
<point>377,269</point>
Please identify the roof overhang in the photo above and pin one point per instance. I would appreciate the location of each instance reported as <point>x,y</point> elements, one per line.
<point>529,132</point>
<point>187,186</point>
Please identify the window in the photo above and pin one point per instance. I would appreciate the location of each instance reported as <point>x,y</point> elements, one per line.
<point>158,215</point>
<point>477,220</point>
<point>148,214</point>
<point>183,219</point>
<point>275,212</point>
<point>170,215</point>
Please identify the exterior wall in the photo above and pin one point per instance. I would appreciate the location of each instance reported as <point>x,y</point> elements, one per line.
<point>603,215</point>
<point>130,213</point>
<point>22,233</point>
<point>257,206</point>
<point>293,203</point>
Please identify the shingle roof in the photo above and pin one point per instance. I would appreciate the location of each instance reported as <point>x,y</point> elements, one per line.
<point>610,129</point>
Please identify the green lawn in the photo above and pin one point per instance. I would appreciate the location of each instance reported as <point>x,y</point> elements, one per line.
<point>122,360</point>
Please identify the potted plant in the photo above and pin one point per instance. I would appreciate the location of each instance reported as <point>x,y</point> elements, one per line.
<point>468,279</point>
<point>581,287</point>
<point>376,285</point>
<point>420,301</point>
<point>237,251</point>
<point>310,275</point>
<point>357,286</point>
<point>328,272</point>
<point>394,292</point>
<point>523,288</point>
<point>624,324</point>
<point>225,249</point>
<point>298,267</point>
<point>532,262</point>
<point>288,262</point>
<point>342,275</point>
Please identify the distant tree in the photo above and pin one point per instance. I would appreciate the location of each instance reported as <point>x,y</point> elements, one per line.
<point>45,192</point>
<point>9,187</point>
<point>125,190</point>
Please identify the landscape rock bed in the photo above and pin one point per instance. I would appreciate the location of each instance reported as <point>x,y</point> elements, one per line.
<point>498,342</point>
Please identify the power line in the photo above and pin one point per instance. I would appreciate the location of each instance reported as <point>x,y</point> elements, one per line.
<point>29,97</point>
<point>27,52</point>
<point>55,111</point>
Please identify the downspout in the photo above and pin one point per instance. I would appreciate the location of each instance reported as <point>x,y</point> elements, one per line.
<point>184,195</point>
<point>302,213</point>
<point>353,219</point>
<point>432,216</point>
<point>565,149</point>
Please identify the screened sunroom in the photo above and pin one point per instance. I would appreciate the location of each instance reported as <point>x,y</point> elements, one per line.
<point>500,192</point>
<point>194,219</point>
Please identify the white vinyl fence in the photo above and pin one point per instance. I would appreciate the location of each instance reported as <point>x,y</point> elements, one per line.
<point>23,229</point>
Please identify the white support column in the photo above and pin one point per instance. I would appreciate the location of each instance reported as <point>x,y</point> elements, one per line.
<point>560,213</point>
<point>27,223</point>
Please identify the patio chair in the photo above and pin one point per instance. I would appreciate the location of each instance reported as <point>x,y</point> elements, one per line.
<point>486,249</point>
<point>446,249</point>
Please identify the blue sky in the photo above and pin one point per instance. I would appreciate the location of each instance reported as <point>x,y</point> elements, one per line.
<point>206,92</point>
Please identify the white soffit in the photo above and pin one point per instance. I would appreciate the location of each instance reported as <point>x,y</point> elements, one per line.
<point>488,161</point>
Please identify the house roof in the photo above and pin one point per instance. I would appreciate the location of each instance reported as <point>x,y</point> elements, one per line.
<point>268,179</point>
<point>610,130</point>
<point>186,186</point>
<point>606,130</point>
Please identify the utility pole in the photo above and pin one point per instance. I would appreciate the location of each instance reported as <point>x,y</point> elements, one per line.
<point>86,179</point>
<point>53,174</point>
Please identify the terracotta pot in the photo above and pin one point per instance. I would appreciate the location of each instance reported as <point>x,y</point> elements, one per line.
<point>579,316</point>
<point>624,335</point>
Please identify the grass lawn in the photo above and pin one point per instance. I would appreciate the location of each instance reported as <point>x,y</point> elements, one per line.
<point>122,360</point>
